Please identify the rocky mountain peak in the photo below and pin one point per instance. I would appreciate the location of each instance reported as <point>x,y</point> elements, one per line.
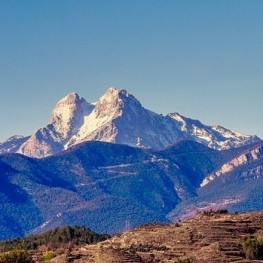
<point>226,132</point>
<point>15,137</point>
<point>112,91</point>
<point>114,101</point>
<point>110,99</point>
<point>71,97</point>
<point>68,114</point>
<point>66,105</point>
<point>120,118</point>
<point>12,144</point>
<point>113,94</point>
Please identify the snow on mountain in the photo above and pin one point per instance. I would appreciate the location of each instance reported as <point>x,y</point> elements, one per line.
<point>215,137</point>
<point>65,120</point>
<point>68,115</point>
<point>12,144</point>
<point>106,109</point>
<point>119,117</point>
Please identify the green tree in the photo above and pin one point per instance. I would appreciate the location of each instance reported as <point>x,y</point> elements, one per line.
<point>15,256</point>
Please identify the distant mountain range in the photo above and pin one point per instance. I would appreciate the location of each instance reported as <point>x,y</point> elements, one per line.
<point>117,117</point>
<point>106,163</point>
<point>236,185</point>
<point>103,185</point>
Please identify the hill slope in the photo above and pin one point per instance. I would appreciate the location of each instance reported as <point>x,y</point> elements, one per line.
<point>208,238</point>
<point>102,185</point>
<point>236,185</point>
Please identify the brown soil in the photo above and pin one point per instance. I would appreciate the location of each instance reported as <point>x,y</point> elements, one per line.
<point>204,239</point>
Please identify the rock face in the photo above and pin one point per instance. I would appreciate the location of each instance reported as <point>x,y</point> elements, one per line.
<point>215,137</point>
<point>118,117</point>
<point>248,156</point>
<point>68,115</point>
<point>12,144</point>
<point>65,120</point>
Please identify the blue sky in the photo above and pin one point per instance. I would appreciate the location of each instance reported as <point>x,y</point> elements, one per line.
<point>203,59</point>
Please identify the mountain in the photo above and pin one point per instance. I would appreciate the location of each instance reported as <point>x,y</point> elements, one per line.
<point>235,185</point>
<point>12,144</point>
<point>118,117</point>
<point>216,137</point>
<point>247,157</point>
<point>65,120</point>
<point>97,184</point>
<point>103,185</point>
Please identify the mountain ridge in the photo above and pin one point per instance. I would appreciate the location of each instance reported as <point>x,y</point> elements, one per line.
<point>118,117</point>
<point>247,156</point>
<point>102,185</point>
<point>92,183</point>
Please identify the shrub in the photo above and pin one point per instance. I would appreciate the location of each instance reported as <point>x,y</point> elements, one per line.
<point>186,260</point>
<point>48,255</point>
<point>15,256</point>
<point>253,248</point>
<point>216,212</point>
<point>55,238</point>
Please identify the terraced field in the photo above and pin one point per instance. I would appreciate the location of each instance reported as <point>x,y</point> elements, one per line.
<point>213,238</point>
